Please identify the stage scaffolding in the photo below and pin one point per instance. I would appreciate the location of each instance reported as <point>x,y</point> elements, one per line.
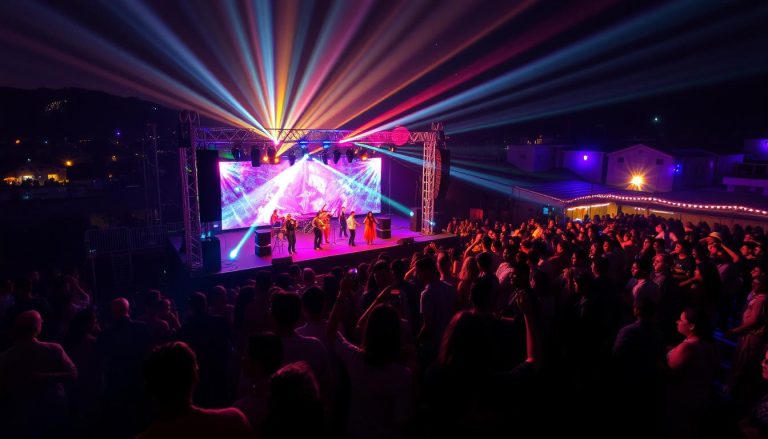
<point>217,138</point>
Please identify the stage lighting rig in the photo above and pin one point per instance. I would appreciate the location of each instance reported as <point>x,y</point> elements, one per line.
<point>350,155</point>
<point>336,156</point>
<point>364,156</point>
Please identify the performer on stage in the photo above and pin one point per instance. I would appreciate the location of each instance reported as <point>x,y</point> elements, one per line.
<point>342,222</point>
<point>274,218</point>
<point>369,234</point>
<point>326,217</point>
<point>352,225</point>
<point>317,228</point>
<point>290,233</point>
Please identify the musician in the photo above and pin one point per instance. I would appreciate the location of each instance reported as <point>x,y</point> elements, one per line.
<point>352,225</point>
<point>369,233</point>
<point>318,225</point>
<point>290,233</point>
<point>326,216</point>
<point>342,222</point>
<point>274,218</point>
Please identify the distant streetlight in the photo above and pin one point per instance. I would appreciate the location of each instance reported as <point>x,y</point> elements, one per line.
<point>68,163</point>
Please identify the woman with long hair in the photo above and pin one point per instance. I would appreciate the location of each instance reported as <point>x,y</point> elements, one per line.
<point>468,274</point>
<point>381,388</point>
<point>369,234</point>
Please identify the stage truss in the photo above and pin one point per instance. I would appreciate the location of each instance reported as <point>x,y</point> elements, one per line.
<point>215,138</point>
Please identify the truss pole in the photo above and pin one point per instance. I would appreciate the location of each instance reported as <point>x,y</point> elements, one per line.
<point>188,121</point>
<point>428,181</point>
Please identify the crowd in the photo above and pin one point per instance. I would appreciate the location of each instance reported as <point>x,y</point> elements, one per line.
<point>608,326</point>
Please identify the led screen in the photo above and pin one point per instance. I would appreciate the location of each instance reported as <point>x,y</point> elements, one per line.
<point>250,194</point>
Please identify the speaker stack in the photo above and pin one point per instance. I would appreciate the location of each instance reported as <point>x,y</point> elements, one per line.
<point>263,238</point>
<point>384,228</point>
<point>211,255</point>
<point>416,219</point>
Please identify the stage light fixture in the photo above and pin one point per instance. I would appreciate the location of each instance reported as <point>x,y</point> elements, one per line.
<point>304,150</point>
<point>392,148</point>
<point>292,158</point>
<point>325,157</point>
<point>350,155</point>
<point>364,156</point>
<point>336,156</point>
<point>326,144</point>
<point>236,154</point>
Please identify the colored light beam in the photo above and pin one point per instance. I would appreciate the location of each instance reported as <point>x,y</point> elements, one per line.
<point>658,21</point>
<point>498,184</point>
<point>559,22</point>
<point>291,64</point>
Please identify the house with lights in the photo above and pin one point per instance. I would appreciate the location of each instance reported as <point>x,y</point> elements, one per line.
<point>35,172</point>
<point>687,184</point>
<point>640,167</point>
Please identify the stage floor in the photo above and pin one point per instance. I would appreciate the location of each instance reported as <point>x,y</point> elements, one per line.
<point>247,259</point>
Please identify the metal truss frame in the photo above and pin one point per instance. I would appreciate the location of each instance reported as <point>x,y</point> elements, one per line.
<point>428,180</point>
<point>193,246</point>
<point>229,136</point>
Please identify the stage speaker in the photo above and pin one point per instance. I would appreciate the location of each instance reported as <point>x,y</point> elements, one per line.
<point>384,228</point>
<point>208,185</point>
<point>211,255</point>
<point>255,156</point>
<point>263,251</point>
<point>416,219</point>
<point>405,241</point>
<point>263,239</point>
<point>444,173</point>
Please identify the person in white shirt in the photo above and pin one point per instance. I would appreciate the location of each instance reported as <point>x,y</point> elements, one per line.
<point>352,226</point>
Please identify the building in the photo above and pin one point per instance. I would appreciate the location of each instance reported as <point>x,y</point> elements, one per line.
<point>756,149</point>
<point>640,167</point>
<point>35,173</point>
<point>587,163</point>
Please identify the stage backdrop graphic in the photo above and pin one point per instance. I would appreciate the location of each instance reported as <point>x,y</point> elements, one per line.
<point>250,194</point>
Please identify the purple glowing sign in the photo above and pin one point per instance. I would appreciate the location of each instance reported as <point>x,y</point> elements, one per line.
<point>250,194</point>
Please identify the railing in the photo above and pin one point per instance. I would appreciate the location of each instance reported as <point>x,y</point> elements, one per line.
<point>752,170</point>
<point>99,242</point>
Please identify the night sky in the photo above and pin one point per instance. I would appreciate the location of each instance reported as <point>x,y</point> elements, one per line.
<point>592,72</point>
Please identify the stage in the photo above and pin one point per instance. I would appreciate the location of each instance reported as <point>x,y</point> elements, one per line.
<point>338,253</point>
